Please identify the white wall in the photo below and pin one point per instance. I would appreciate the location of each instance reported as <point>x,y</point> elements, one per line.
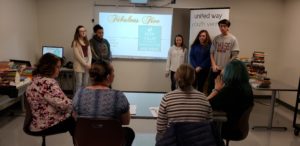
<point>18,30</point>
<point>58,19</point>
<point>269,25</point>
<point>251,23</point>
<point>288,52</point>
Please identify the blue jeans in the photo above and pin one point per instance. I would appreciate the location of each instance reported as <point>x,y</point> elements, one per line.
<point>81,80</point>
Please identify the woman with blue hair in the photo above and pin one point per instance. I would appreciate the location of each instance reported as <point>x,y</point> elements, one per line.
<point>232,93</point>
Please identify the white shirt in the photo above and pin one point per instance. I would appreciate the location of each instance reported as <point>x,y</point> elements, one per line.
<point>176,57</point>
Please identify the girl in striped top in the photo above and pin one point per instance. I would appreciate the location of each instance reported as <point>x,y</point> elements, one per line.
<point>184,104</point>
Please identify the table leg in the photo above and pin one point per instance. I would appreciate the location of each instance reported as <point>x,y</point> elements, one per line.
<point>270,122</point>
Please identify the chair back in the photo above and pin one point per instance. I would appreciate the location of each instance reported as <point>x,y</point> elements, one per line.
<point>98,132</point>
<point>244,123</point>
<point>190,134</point>
<point>240,130</point>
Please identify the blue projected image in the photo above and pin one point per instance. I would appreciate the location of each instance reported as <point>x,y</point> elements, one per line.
<point>137,35</point>
<point>58,51</point>
<point>139,1</point>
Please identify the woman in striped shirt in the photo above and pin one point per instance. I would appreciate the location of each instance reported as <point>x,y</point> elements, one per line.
<point>185,104</point>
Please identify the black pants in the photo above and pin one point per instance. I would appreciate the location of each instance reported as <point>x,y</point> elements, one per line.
<point>173,81</point>
<point>129,136</point>
<point>211,80</point>
<point>201,77</point>
<point>63,126</point>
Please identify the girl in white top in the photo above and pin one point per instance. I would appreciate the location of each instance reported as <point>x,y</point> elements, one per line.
<point>82,57</point>
<point>177,55</point>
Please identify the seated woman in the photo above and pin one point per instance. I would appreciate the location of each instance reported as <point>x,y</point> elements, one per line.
<point>51,108</point>
<point>232,93</point>
<point>185,104</point>
<point>99,101</point>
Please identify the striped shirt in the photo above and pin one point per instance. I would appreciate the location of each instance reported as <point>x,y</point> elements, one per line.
<point>183,106</point>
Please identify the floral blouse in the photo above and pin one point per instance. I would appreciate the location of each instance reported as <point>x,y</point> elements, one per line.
<point>49,105</point>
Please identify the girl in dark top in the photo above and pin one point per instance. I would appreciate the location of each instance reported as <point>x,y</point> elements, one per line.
<point>232,93</point>
<point>200,58</point>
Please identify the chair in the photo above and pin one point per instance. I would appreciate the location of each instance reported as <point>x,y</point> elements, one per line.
<point>295,124</point>
<point>98,132</point>
<point>190,134</point>
<point>28,120</point>
<point>239,131</point>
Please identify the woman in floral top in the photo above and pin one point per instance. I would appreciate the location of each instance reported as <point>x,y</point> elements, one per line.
<point>51,108</point>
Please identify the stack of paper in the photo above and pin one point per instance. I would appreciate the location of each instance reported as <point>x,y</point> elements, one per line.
<point>132,109</point>
<point>154,111</point>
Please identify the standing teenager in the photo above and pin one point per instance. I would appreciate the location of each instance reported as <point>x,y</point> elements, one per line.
<point>82,57</point>
<point>224,48</point>
<point>100,46</point>
<point>200,58</point>
<point>177,55</point>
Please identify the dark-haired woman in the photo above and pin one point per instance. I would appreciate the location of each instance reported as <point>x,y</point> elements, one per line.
<point>177,55</point>
<point>110,103</point>
<point>232,93</point>
<point>51,108</point>
<point>82,57</point>
<point>200,58</point>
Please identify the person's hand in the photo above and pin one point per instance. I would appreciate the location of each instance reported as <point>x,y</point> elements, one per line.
<point>167,74</point>
<point>219,83</point>
<point>198,68</point>
<point>215,68</point>
<point>88,66</point>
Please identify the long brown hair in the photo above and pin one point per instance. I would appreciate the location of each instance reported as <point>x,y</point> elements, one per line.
<point>46,65</point>
<point>206,42</point>
<point>77,36</point>
<point>182,44</point>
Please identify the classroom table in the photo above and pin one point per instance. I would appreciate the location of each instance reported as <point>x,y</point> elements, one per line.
<point>10,95</point>
<point>275,87</point>
<point>145,100</point>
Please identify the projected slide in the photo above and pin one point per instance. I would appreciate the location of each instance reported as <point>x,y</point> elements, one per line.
<point>58,51</point>
<point>138,36</point>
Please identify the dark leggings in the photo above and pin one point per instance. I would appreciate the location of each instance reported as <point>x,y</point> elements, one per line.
<point>173,81</point>
<point>201,77</point>
<point>63,126</point>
